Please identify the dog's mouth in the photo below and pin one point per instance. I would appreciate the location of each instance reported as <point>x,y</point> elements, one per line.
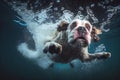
<point>81,39</point>
<point>79,42</point>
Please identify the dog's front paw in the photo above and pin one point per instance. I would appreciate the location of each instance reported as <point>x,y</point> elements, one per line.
<point>106,55</point>
<point>52,47</point>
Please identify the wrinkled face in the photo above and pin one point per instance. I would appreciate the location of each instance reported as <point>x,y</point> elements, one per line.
<point>79,33</point>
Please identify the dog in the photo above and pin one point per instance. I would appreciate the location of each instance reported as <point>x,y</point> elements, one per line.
<point>71,42</point>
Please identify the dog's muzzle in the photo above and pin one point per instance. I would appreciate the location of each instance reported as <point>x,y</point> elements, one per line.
<point>81,30</point>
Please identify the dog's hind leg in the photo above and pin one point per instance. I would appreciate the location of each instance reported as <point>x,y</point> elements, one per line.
<point>71,65</point>
<point>51,65</point>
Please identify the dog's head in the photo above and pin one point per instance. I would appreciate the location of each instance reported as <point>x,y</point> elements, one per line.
<point>81,32</point>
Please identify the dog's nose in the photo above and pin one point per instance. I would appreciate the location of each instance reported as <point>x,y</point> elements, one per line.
<point>81,29</point>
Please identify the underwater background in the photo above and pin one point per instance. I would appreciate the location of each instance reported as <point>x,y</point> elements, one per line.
<point>14,66</point>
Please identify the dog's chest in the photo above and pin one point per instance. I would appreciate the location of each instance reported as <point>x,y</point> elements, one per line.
<point>69,52</point>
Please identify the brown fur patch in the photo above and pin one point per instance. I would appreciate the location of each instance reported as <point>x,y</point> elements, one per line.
<point>62,26</point>
<point>94,34</point>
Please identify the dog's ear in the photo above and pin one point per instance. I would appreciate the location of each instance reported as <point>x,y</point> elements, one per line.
<point>62,26</point>
<point>94,34</point>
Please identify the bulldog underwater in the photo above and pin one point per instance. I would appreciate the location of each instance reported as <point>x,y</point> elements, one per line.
<point>71,41</point>
<point>49,40</point>
<point>60,39</point>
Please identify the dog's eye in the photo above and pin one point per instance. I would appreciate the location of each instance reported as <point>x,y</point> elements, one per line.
<point>87,26</point>
<point>73,25</point>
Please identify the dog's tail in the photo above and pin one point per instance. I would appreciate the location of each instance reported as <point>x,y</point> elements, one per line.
<point>24,49</point>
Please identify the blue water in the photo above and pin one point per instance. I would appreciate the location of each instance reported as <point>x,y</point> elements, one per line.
<point>13,66</point>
